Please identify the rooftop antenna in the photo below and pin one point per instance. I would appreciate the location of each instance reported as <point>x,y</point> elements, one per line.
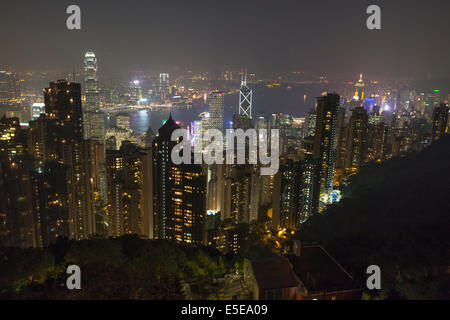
<point>73,74</point>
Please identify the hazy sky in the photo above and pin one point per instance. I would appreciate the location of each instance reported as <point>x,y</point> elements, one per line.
<point>316,35</point>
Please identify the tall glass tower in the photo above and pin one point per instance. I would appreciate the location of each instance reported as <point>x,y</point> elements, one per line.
<point>216,110</point>
<point>91,82</point>
<point>94,118</point>
<point>245,99</point>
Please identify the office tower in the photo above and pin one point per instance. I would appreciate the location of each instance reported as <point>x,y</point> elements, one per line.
<point>119,136</point>
<point>51,202</point>
<point>9,91</point>
<point>245,99</point>
<point>135,92</point>
<point>13,140</point>
<point>37,109</point>
<point>440,119</point>
<point>242,122</point>
<point>63,104</point>
<point>164,86</point>
<point>327,112</point>
<point>93,117</point>
<point>375,115</point>
<point>129,195</point>
<point>310,124</point>
<point>123,121</point>
<point>215,121</point>
<point>94,125</point>
<point>359,92</point>
<point>91,82</point>
<point>216,101</point>
<point>179,193</point>
<point>356,140</point>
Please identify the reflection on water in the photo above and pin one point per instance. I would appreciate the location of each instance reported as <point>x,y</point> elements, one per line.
<point>266,101</point>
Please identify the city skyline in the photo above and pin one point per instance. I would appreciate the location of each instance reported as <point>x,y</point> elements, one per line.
<point>245,150</point>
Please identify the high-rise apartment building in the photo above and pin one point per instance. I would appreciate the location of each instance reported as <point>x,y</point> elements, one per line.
<point>63,104</point>
<point>179,193</point>
<point>128,172</point>
<point>440,120</point>
<point>356,140</point>
<point>326,119</point>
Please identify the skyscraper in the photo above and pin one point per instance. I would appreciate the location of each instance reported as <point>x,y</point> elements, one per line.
<point>91,82</point>
<point>327,112</point>
<point>135,92</point>
<point>163,85</point>
<point>216,101</point>
<point>50,202</point>
<point>440,119</point>
<point>356,140</point>
<point>359,92</point>
<point>19,227</point>
<point>63,104</point>
<point>179,193</point>
<point>94,118</point>
<point>129,196</point>
<point>8,87</point>
<point>245,99</point>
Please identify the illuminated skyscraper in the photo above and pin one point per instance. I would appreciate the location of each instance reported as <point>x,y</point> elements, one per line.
<point>164,85</point>
<point>379,142</point>
<point>63,104</point>
<point>245,99</point>
<point>94,125</point>
<point>129,197</point>
<point>327,112</point>
<point>440,119</point>
<point>216,101</point>
<point>12,139</point>
<point>135,92</point>
<point>8,87</point>
<point>359,91</point>
<point>179,193</point>
<point>91,82</point>
<point>50,202</point>
<point>37,109</point>
<point>123,121</point>
<point>286,196</point>
<point>94,118</point>
<point>356,140</point>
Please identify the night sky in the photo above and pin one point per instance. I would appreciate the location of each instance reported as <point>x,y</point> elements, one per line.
<point>321,36</point>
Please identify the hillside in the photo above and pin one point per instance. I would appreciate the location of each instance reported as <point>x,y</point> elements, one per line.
<point>395,215</point>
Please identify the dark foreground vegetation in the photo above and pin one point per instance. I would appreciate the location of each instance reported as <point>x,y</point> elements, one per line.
<point>395,215</point>
<point>122,268</point>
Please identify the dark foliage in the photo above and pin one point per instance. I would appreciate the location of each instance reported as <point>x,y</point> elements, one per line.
<point>122,268</point>
<point>395,215</point>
